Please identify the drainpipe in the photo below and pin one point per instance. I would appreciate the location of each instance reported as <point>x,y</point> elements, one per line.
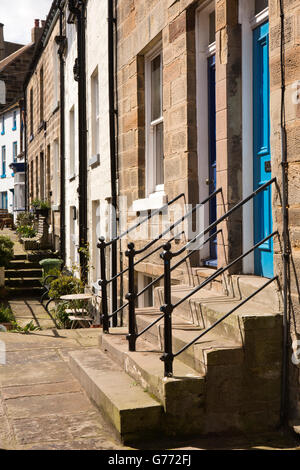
<point>61,41</point>
<point>286,244</point>
<point>80,12</point>
<point>113,166</point>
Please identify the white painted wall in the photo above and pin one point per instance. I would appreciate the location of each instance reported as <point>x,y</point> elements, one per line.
<point>72,180</point>
<point>7,139</point>
<point>99,186</point>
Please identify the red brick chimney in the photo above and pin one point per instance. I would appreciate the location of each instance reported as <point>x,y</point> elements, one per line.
<point>2,46</point>
<point>36,32</point>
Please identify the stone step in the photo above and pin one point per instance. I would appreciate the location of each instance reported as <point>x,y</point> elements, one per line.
<point>133,413</point>
<point>245,285</point>
<point>23,273</point>
<point>23,264</point>
<point>179,394</point>
<point>219,285</point>
<point>20,257</point>
<point>206,307</point>
<point>210,349</point>
<point>21,292</point>
<point>23,282</point>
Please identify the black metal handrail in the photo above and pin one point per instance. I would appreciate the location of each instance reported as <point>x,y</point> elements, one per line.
<point>131,253</point>
<point>168,307</point>
<point>141,222</point>
<point>137,335</point>
<point>102,245</point>
<point>127,269</point>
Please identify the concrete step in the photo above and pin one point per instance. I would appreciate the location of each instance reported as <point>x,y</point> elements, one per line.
<point>207,306</point>
<point>219,285</point>
<point>23,273</point>
<point>245,285</point>
<point>23,264</point>
<point>210,349</point>
<point>133,413</point>
<point>20,257</point>
<point>21,292</point>
<point>23,282</point>
<point>178,395</point>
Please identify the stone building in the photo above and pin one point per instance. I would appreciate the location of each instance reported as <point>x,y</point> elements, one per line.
<point>15,61</point>
<point>199,108</point>
<point>42,91</point>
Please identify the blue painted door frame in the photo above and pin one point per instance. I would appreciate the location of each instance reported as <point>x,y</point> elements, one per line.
<point>263,256</point>
<point>212,152</point>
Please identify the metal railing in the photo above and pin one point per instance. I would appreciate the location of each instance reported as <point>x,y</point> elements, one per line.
<point>131,253</point>
<point>167,255</point>
<point>103,245</point>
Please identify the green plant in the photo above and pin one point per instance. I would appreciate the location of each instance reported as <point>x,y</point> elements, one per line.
<point>6,251</point>
<point>64,285</point>
<point>61,315</point>
<point>26,231</point>
<point>24,329</point>
<point>24,218</point>
<point>35,203</point>
<point>6,315</point>
<point>45,205</point>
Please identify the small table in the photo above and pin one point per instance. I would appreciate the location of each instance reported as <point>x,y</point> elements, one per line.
<point>78,316</point>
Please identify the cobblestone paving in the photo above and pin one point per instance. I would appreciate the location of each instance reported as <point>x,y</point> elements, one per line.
<point>42,405</point>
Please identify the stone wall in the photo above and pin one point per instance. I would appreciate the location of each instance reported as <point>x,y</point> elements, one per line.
<point>142,25</point>
<point>45,132</point>
<point>292,123</point>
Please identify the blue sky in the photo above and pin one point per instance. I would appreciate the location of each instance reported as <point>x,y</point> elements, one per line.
<point>18,17</point>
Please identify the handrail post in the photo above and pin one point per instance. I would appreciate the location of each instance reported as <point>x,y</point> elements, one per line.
<point>131,297</point>
<point>167,309</point>
<point>103,284</point>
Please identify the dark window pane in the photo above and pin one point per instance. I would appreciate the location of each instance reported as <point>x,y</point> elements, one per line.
<point>260,5</point>
<point>156,88</point>
<point>212,27</point>
<point>159,140</point>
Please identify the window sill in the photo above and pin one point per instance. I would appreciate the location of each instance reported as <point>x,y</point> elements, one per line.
<point>55,208</point>
<point>72,177</point>
<point>154,201</point>
<point>94,160</point>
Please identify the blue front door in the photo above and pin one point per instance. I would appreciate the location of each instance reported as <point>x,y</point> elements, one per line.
<point>263,256</point>
<point>212,151</point>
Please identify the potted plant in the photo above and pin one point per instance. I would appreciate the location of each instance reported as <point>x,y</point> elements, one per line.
<point>44,208</point>
<point>35,204</point>
<point>6,255</point>
<point>6,317</point>
<point>40,207</point>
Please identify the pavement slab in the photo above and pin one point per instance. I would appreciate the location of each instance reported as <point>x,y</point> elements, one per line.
<point>46,405</point>
<point>43,407</point>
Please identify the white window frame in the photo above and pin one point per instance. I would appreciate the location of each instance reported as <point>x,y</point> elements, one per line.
<point>72,142</point>
<point>249,22</point>
<point>151,186</point>
<point>55,151</point>
<point>204,50</point>
<point>55,76</point>
<point>95,112</point>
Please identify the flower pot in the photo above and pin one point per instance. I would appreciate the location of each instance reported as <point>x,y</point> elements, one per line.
<point>7,326</point>
<point>42,212</point>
